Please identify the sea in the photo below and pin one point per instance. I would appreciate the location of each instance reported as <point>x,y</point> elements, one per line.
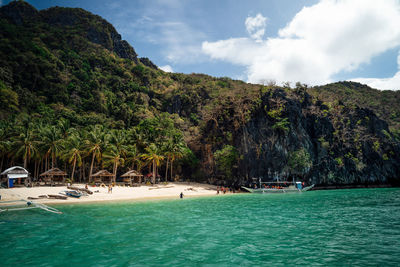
<point>355,227</point>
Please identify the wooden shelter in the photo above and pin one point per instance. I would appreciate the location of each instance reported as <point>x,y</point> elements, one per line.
<point>53,176</point>
<point>14,176</point>
<point>103,176</point>
<point>132,177</point>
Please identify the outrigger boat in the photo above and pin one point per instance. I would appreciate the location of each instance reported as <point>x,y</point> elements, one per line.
<point>278,187</point>
<point>23,204</point>
<point>71,193</point>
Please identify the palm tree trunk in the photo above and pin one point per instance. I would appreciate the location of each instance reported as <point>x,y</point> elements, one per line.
<point>73,171</point>
<point>83,169</point>
<point>53,155</point>
<point>2,160</point>
<point>154,171</point>
<point>166,170</point>
<point>34,170</point>
<point>115,172</point>
<point>25,159</point>
<point>172,165</point>
<point>91,168</point>
<point>1,166</point>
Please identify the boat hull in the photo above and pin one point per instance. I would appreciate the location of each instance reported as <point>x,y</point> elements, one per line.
<point>276,190</point>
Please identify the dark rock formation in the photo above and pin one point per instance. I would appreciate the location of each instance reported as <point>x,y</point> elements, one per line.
<point>147,62</point>
<point>346,145</point>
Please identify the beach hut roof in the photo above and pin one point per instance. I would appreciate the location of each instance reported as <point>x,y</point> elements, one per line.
<point>15,170</point>
<point>53,172</point>
<point>131,173</point>
<point>103,173</point>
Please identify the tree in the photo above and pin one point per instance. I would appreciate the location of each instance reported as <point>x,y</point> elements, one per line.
<point>5,145</point>
<point>95,141</point>
<point>225,159</point>
<point>73,152</point>
<point>52,142</point>
<point>177,152</point>
<point>113,157</point>
<point>26,145</point>
<point>299,161</point>
<point>154,157</point>
<point>133,156</point>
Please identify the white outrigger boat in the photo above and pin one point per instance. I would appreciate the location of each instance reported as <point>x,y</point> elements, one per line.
<point>278,187</point>
<point>23,204</point>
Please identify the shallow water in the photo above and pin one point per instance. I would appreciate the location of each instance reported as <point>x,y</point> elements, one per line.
<point>342,227</point>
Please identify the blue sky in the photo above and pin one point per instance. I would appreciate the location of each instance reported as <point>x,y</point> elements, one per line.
<point>311,41</point>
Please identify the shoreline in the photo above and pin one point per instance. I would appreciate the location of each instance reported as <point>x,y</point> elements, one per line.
<point>134,194</point>
<point>100,194</point>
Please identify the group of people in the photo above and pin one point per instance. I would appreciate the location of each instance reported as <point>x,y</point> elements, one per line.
<point>224,189</point>
<point>110,187</point>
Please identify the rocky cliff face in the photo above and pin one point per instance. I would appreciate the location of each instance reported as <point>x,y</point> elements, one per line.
<point>346,145</point>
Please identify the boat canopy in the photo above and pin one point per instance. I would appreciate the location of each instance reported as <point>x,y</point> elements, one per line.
<point>15,172</point>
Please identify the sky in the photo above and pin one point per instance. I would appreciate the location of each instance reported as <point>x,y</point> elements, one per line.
<point>309,41</point>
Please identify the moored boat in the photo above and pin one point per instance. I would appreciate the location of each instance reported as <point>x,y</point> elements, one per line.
<point>279,187</point>
<point>71,193</point>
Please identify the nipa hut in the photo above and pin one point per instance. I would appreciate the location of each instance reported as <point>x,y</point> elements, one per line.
<point>53,176</point>
<point>15,175</point>
<point>102,176</point>
<point>132,177</point>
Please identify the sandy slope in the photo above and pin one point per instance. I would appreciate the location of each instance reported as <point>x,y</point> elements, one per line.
<point>171,190</point>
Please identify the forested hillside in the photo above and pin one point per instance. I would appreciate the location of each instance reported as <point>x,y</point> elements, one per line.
<point>74,95</point>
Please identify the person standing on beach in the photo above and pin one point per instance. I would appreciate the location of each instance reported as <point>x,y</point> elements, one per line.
<point>181,195</point>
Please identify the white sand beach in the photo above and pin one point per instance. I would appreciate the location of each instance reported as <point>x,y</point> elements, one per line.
<point>170,190</point>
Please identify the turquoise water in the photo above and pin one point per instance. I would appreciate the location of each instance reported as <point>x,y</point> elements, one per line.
<point>328,228</point>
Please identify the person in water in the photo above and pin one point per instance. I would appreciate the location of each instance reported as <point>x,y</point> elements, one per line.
<point>181,195</point>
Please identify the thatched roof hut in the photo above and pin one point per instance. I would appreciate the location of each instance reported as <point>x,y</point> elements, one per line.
<point>54,175</point>
<point>102,176</point>
<point>131,177</point>
<point>15,174</point>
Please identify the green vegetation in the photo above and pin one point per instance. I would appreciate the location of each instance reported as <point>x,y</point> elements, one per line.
<point>299,161</point>
<point>384,103</point>
<point>225,159</point>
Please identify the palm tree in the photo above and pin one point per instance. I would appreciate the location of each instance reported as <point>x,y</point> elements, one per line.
<point>177,152</point>
<point>168,153</point>
<point>26,145</point>
<point>5,145</point>
<point>96,140</point>
<point>52,142</point>
<point>113,156</point>
<point>153,156</point>
<point>65,127</point>
<point>73,152</point>
<point>117,138</point>
<point>132,156</point>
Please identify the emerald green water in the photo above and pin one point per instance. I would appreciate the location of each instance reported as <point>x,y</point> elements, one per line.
<point>342,227</point>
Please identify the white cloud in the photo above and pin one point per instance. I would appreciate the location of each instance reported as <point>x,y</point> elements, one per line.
<point>319,42</point>
<point>255,26</point>
<point>182,43</point>
<point>166,68</point>
<point>392,83</point>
